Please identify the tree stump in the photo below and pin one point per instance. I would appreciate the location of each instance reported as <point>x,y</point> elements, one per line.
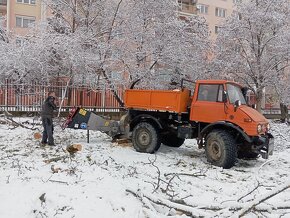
<point>37,135</point>
<point>74,148</point>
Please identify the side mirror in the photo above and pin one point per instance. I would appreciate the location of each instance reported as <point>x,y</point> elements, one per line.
<point>237,104</point>
<point>225,97</point>
<point>244,91</point>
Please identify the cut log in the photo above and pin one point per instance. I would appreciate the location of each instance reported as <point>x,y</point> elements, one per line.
<point>37,136</point>
<point>74,148</point>
<point>124,142</point>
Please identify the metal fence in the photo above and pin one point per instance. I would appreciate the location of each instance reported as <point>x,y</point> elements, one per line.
<point>15,97</point>
<point>29,97</point>
<point>271,111</point>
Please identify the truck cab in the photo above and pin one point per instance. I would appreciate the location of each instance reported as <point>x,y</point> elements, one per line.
<point>221,100</point>
<point>219,108</point>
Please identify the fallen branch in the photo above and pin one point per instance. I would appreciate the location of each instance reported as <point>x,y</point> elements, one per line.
<point>144,200</point>
<point>152,162</point>
<point>58,181</point>
<point>256,202</point>
<point>4,122</point>
<point>185,209</point>
<point>199,210</point>
<point>55,159</point>
<point>16,124</point>
<point>186,174</point>
<point>258,185</point>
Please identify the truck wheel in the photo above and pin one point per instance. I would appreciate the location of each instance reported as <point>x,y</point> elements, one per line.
<point>146,138</point>
<point>221,149</point>
<point>172,140</point>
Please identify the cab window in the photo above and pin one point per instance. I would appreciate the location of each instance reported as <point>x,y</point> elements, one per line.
<point>235,93</point>
<point>212,93</point>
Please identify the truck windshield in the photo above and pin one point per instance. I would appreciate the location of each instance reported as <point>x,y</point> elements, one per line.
<point>235,93</point>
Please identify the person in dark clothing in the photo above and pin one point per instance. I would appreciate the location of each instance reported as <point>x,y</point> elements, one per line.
<point>46,116</point>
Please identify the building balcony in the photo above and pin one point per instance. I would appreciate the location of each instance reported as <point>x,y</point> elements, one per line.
<point>187,6</point>
<point>3,5</point>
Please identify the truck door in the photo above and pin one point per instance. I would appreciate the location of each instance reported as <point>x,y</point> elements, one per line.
<point>208,106</point>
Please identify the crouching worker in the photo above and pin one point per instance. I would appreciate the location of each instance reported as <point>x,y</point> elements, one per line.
<point>46,116</point>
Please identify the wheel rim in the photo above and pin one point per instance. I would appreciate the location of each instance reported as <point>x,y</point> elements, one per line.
<point>144,138</point>
<point>215,150</point>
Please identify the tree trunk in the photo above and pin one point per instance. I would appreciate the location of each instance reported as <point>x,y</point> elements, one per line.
<point>259,98</point>
<point>112,88</point>
<point>284,112</point>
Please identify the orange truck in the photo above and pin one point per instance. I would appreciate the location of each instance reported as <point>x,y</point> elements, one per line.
<point>215,113</point>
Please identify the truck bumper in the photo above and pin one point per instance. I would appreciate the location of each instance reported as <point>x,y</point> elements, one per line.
<point>265,145</point>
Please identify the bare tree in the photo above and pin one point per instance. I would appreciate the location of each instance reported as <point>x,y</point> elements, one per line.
<point>253,44</point>
<point>158,46</point>
<point>3,34</point>
<point>282,89</point>
<point>112,43</point>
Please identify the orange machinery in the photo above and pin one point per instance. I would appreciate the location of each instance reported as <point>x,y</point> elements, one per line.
<point>215,113</point>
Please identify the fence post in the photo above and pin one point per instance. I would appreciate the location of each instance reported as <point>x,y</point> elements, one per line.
<point>104,99</point>
<point>6,95</point>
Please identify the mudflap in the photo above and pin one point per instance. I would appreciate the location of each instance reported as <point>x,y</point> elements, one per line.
<point>80,118</point>
<point>267,146</point>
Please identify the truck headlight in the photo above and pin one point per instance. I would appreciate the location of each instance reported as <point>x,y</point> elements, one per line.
<point>259,128</point>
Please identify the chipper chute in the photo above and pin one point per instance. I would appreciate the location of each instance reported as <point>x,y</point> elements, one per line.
<point>80,118</point>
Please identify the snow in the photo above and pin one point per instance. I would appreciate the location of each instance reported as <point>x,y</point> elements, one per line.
<point>96,181</point>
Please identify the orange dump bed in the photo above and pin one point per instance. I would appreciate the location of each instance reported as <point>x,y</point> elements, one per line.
<point>164,100</point>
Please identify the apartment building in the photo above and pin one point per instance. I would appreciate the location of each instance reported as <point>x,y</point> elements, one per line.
<point>19,15</point>
<point>215,12</point>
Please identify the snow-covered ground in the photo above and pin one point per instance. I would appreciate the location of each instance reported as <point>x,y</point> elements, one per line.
<point>108,180</point>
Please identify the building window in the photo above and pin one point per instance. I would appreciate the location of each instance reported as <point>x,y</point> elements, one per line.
<point>202,9</point>
<point>220,12</point>
<point>24,22</point>
<point>237,1</point>
<point>237,15</point>
<point>32,2</point>
<point>237,48</point>
<point>19,41</point>
<point>216,29</point>
<point>2,19</point>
